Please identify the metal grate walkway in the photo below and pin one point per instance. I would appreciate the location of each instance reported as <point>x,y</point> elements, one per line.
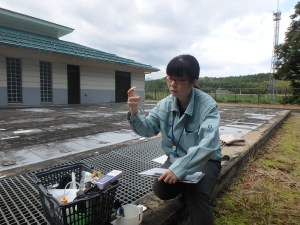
<point>19,199</point>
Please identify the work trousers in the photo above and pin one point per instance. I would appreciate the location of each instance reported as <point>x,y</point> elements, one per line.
<point>197,196</point>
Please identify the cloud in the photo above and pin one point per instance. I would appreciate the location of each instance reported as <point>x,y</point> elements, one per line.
<point>229,37</point>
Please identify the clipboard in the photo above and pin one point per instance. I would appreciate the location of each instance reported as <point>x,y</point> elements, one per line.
<point>157,172</point>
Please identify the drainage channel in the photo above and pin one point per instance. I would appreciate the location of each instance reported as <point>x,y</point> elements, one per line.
<point>19,199</point>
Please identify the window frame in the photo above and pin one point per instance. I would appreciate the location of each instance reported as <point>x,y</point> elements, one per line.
<point>46,82</point>
<point>13,85</point>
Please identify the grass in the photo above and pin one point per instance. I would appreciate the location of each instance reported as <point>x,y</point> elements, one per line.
<point>225,98</point>
<point>267,190</point>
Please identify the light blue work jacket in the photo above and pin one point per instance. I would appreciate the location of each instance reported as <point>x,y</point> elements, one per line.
<point>200,139</point>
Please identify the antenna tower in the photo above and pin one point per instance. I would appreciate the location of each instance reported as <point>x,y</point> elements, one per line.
<point>272,86</point>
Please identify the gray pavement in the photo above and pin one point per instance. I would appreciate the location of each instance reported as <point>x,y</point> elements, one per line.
<point>33,138</point>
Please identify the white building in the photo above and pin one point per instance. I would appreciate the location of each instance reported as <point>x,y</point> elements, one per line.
<point>36,68</point>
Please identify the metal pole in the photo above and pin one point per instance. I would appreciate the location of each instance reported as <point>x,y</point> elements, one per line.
<point>285,96</point>
<point>258,95</point>
<point>235,96</point>
<point>154,93</point>
<point>272,86</point>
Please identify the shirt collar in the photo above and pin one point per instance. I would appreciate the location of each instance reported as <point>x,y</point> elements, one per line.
<point>175,105</point>
<point>190,107</point>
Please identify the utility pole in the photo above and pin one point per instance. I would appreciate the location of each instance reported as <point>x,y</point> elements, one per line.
<point>272,86</point>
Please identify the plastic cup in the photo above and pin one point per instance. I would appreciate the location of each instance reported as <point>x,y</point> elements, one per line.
<point>140,106</point>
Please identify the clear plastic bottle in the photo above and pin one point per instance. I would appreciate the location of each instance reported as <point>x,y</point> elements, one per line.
<point>140,105</point>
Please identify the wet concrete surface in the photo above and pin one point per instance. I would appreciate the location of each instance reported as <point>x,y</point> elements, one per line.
<point>57,123</point>
<point>30,131</point>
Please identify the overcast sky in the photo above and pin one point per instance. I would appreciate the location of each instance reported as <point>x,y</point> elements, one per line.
<point>228,37</point>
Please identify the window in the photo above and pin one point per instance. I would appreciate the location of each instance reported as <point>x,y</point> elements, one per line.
<point>13,67</point>
<point>46,82</point>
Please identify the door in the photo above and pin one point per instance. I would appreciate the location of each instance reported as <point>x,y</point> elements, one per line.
<point>123,84</point>
<point>73,85</point>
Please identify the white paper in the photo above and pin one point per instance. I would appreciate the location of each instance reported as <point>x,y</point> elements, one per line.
<point>193,177</point>
<point>161,159</point>
<point>152,171</point>
<point>156,172</point>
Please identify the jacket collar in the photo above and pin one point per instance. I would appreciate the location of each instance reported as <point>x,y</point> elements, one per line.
<point>190,107</point>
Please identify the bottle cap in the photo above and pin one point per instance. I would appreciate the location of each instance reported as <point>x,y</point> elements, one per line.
<point>64,200</point>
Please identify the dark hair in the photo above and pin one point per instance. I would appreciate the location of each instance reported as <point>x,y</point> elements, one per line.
<point>184,64</point>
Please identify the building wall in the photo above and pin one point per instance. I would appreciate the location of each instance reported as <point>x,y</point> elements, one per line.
<point>30,81</point>
<point>3,81</point>
<point>97,85</point>
<point>59,83</point>
<point>97,79</point>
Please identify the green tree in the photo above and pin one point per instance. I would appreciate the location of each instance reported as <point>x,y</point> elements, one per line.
<point>288,64</point>
<point>259,80</point>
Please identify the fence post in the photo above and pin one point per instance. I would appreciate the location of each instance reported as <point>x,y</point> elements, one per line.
<point>258,95</point>
<point>216,94</point>
<point>235,96</point>
<point>154,93</point>
<point>285,96</point>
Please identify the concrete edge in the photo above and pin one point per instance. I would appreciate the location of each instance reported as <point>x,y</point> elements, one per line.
<point>232,169</point>
<point>174,212</point>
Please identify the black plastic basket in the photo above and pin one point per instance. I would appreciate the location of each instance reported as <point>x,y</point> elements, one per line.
<point>96,208</point>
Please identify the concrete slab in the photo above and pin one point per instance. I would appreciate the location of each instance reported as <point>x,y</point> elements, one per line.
<point>237,132</point>
<point>19,158</point>
<point>57,150</point>
<point>37,110</point>
<point>260,116</point>
<point>244,126</point>
<point>27,120</point>
<point>91,143</point>
<point>27,131</point>
<point>102,123</point>
<point>65,148</point>
<point>89,115</point>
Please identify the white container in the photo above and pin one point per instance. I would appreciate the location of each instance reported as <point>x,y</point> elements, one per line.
<point>133,215</point>
<point>73,184</point>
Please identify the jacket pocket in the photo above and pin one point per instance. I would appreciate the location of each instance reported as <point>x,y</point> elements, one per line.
<point>189,139</point>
